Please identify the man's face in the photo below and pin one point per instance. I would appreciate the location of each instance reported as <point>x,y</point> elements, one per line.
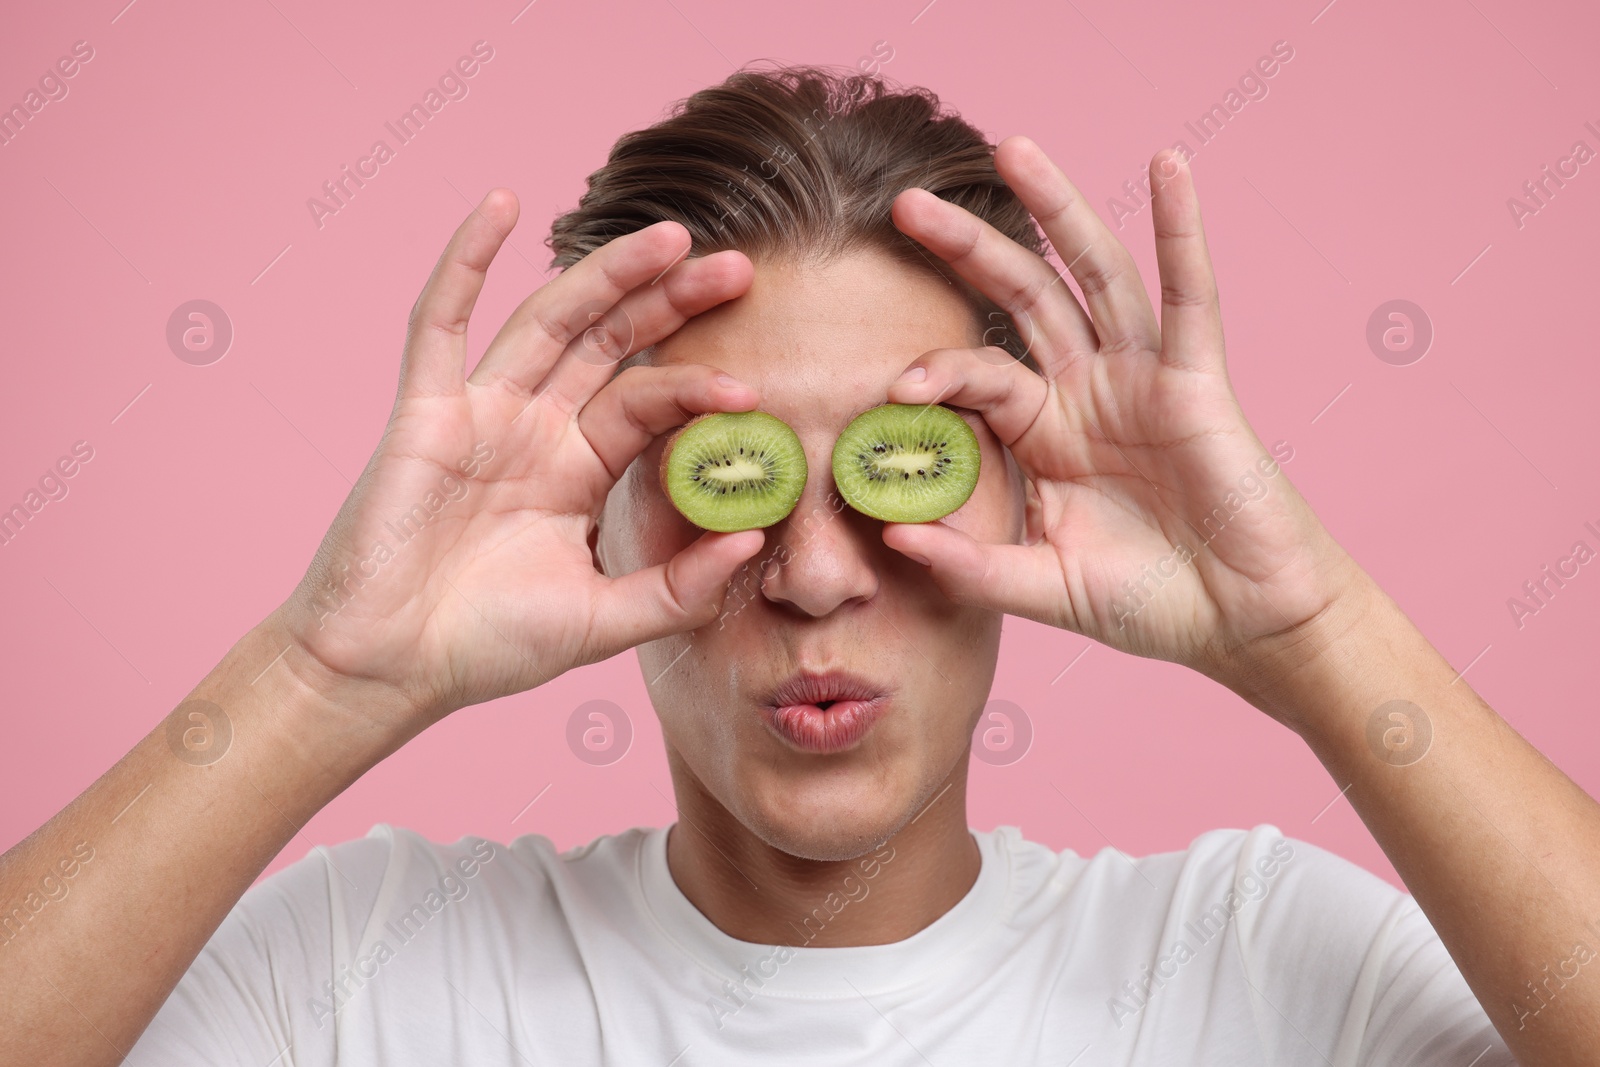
<point>824,595</point>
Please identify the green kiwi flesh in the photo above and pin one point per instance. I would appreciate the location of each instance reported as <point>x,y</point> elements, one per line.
<point>732,471</point>
<point>906,462</point>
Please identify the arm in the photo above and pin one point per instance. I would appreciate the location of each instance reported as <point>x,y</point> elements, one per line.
<point>171,846</point>
<point>458,570</point>
<point>1161,526</point>
<point>1499,848</point>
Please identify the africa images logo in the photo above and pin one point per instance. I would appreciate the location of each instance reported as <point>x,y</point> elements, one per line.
<point>1135,994</point>
<point>398,932</point>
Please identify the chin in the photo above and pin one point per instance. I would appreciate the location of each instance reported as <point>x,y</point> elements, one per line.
<point>826,816</point>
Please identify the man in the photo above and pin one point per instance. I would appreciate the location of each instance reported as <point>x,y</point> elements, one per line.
<point>813,247</point>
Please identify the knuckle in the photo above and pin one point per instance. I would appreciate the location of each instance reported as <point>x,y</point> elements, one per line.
<point>966,240</point>
<point>1129,343</point>
<point>1026,295</point>
<point>629,377</point>
<point>555,331</point>
<point>629,397</point>
<point>608,271</point>
<point>1052,214</point>
<point>1187,296</point>
<point>1098,277</point>
<point>454,327</point>
<point>459,263</point>
<point>606,330</point>
<point>641,376</point>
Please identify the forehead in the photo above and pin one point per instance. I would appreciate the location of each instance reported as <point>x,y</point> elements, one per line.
<point>821,339</point>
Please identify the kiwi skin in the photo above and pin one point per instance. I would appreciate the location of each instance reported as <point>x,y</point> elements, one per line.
<point>666,452</point>
<point>944,488</point>
<point>775,510</point>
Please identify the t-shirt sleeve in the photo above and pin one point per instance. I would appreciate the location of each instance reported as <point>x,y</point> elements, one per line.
<point>258,993</point>
<point>1339,959</point>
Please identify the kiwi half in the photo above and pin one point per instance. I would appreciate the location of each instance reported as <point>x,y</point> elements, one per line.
<point>906,462</point>
<point>730,471</point>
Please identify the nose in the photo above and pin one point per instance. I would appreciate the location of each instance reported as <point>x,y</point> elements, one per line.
<point>822,558</point>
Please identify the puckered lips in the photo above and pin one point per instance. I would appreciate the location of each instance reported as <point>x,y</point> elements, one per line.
<point>824,712</point>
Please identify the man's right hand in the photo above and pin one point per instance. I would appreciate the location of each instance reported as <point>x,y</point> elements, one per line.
<point>483,493</point>
<point>460,567</point>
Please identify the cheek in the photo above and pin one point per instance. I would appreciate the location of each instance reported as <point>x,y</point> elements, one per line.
<point>640,527</point>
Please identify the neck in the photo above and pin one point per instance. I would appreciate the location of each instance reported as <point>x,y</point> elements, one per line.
<point>756,892</point>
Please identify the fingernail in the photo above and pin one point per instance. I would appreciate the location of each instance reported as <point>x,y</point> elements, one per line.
<point>728,379</point>
<point>919,558</point>
<point>915,374</point>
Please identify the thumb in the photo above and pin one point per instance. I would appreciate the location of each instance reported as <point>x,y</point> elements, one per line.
<point>680,594</point>
<point>1022,580</point>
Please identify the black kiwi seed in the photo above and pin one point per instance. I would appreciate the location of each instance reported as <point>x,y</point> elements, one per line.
<point>751,457</point>
<point>935,478</point>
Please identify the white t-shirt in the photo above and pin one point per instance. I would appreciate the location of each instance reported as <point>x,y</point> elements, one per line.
<point>1246,949</point>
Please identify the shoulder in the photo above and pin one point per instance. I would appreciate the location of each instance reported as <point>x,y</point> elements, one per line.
<point>1286,897</point>
<point>392,847</point>
<point>1216,858</point>
<point>1259,882</point>
<point>401,867</point>
<point>1318,930</point>
<point>1263,861</point>
<point>1297,941</point>
<point>345,889</point>
<point>306,941</point>
<point>530,855</point>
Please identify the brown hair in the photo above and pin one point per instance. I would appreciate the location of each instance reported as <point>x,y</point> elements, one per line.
<point>805,162</point>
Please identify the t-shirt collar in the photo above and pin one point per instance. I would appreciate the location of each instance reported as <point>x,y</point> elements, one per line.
<point>812,972</point>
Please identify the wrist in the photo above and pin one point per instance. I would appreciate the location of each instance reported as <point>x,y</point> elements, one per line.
<point>1289,674</point>
<point>341,725</point>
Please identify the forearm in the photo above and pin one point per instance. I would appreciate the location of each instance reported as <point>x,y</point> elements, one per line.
<point>1499,847</point>
<point>174,837</point>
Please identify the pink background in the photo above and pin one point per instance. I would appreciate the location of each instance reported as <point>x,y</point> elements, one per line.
<point>1378,167</point>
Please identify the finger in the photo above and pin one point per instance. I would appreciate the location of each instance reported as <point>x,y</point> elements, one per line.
<point>685,592</point>
<point>527,345</point>
<point>1008,395</point>
<point>643,402</point>
<point>1191,314</point>
<point>1105,272</point>
<point>436,335</point>
<point>1023,580</point>
<point>640,319</point>
<point>1039,301</point>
